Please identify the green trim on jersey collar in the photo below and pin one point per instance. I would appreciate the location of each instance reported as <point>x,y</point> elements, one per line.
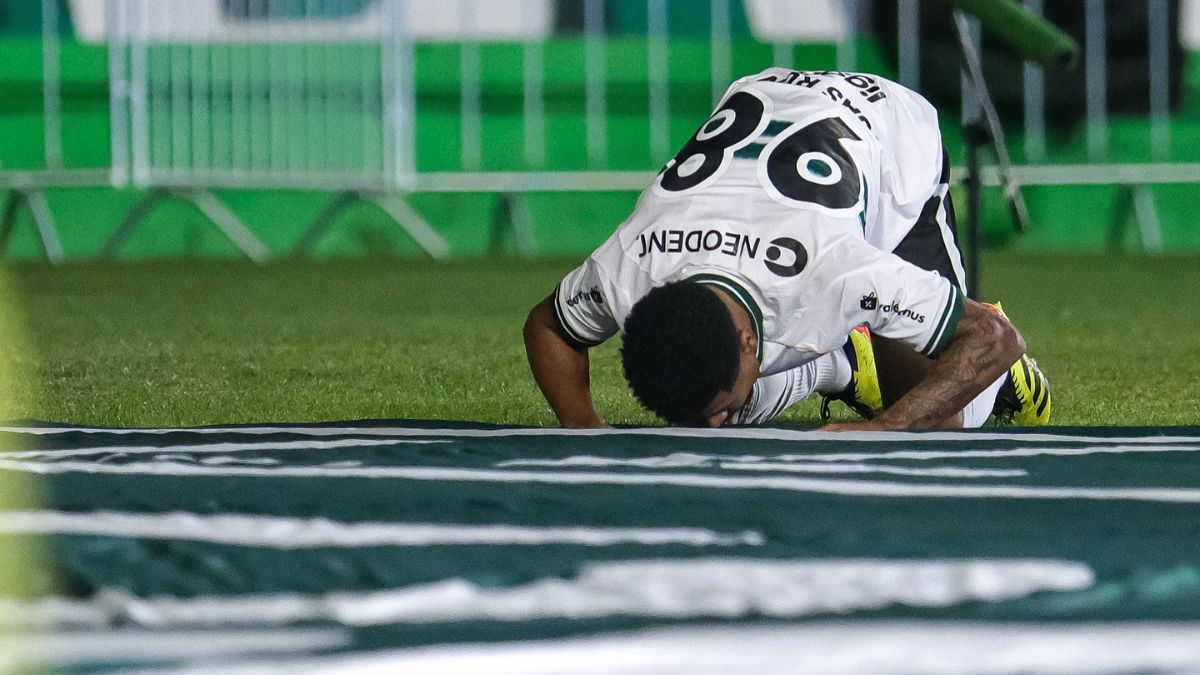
<point>744,299</point>
<point>943,334</point>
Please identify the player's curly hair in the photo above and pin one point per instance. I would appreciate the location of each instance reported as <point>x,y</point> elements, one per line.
<point>680,349</point>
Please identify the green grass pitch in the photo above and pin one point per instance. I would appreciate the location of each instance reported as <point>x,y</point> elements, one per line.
<point>189,343</point>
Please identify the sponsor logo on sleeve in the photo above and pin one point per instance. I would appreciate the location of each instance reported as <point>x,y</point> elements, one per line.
<point>592,294</point>
<point>870,303</point>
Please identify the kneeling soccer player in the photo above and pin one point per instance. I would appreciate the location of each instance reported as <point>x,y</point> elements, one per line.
<point>811,207</point>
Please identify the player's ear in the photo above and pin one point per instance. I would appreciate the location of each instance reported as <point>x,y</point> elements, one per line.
<point>747,340</point>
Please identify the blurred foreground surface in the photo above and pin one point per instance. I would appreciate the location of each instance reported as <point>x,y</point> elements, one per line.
<point>452,547</point>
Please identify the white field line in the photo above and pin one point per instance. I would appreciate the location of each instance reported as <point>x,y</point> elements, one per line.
<point>297,533</point>
<point>855,468</point>
<point>685,460</point>
<point>675,589</point>
<point>675,460</point>
<point>87,648</point>
<point>809,648</point>
<point>671,461</point>
<point>216,447</point>
<point>739,433</point>
<point>758,463</point>
<point>180,454</point>
<point>989,454</point>
<point>785,483</point>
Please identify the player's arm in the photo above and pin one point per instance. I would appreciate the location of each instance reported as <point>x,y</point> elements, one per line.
<point>558,333</point>
<point>560,367</point>
<point>984,344</point>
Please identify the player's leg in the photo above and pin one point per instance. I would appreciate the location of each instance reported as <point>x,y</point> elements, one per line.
<point>1022,395</point>
<point>931,241</point>
<point>861,392</point>
<point>900,368</point>
<point>842,374</point>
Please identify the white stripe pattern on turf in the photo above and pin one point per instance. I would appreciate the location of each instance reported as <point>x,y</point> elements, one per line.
<point>680,460</point>
<point>792,464</point>
<point>684,460</point>
<point>668,588</point>
<point>785,464</point>
<point>862,488</point>
<point>33,653</point>
<point>218,447</point>
<point>296,533</point>
<point>994,454</point>
<point>856,468</point>
<point>810,648</point>
<point>748,433</point>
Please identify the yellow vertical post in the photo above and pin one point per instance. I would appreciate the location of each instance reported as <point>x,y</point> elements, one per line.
<point>20,556</point>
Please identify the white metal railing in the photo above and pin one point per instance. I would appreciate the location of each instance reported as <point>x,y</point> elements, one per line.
<point>208,94</point>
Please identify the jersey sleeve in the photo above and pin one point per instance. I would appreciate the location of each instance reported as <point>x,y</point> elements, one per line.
<point>891,296</point>
<point>583,313</point>
<point>901,301</point>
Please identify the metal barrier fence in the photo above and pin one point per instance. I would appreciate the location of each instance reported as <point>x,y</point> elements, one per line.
<point>320,94</point>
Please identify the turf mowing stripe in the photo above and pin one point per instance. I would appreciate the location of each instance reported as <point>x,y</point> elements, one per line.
<point>666,588</point>
<point>784,483</point>
<point>293,533</point>
<point>749,433</point>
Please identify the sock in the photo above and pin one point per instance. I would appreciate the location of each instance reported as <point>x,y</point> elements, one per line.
<point>977,411</point>
<point>833,372</point>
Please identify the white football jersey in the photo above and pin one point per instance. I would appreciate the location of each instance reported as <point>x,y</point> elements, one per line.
<point>789,197</point>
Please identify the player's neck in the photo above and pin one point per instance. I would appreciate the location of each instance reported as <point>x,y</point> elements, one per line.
<point>741,318</point>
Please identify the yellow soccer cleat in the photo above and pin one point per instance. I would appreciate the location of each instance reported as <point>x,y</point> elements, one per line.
<point>862,394</point>
<point>1024,398</point>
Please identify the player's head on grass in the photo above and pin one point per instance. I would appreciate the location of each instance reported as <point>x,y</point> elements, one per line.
<point>686,355</point>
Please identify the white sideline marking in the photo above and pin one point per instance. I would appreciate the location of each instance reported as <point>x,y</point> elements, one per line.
<point>294,533</point>
<point>688,460</point>
<point>22,653</point>
<point>675,460</point>
<point>671,461</point>
<point>787,483</point>
<point>676,589</point>
<point>742,433</point>
<point>793,464</point>
<point>215,447</point>
<point>824,648</point>
<point>931,471</point>
<point>988,454</point>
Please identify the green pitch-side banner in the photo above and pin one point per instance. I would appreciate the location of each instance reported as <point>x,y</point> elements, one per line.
<point>254,544</point>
